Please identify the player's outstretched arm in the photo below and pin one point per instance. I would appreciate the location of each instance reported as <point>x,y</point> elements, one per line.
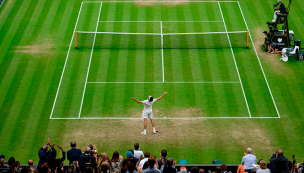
<point>136,100</point>
<point>162,96</point>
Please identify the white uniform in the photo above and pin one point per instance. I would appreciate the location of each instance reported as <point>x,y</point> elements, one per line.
<point>147,113</point>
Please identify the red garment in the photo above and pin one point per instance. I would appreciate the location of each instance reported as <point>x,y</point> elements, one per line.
<point>241,169</point>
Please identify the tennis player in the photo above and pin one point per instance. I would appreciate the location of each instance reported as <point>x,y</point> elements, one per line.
<point>147,113</point>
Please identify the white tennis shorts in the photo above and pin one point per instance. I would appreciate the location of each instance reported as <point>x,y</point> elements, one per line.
<point>147,115</point>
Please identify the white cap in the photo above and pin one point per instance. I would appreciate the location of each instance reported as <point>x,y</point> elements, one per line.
<point>279,0</point>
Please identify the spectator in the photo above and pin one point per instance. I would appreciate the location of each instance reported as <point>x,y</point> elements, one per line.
<point>11,165</point>
<point>125,165</point>
<point>31,166</point>
<point>151,169</point>
<point>93,159</point>
<point>218,169</point>
<point>279,162</point>
<point>224,168</point>
<point>254,170</point>
<point>44,153</point>
<point>201,171</point>
<point>130,158</point>
<point>116,162</point>
<point>2,162</point>
<point>88,170</point>
<point>163,156</point>
<point>131,168</point>
<point>170,168</point>
<point>17,167</point>
<point>248,160</point>
<point>103,157</point>
<point>241,169</point>
<point>86,163</point>
<point>137,152</point>
<point>74,153</point>
<point>263,167</point>
<point>194,169</point>
<point>142,162</point>
<point>105,167</point>
<point>56,163</point>
<point>45,168</point>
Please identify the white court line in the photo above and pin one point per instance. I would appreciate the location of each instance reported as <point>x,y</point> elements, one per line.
<point>181,82</point>
<point>66,60</point>
<point>260,63</point>
<point>85,85</point>
<point>159,21</point>
<point>153,1</point>
<point>162,49</point>
<point>235,61</point>
<point>181,118</point>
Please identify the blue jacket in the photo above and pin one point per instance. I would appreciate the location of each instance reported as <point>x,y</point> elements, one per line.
<point>74,155</point>
<point>43,156</point>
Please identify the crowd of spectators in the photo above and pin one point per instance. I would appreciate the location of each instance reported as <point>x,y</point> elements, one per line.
<point>89,161</point>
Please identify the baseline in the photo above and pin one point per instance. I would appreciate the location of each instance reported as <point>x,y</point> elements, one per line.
<point>181,82</point>
<point>153,1</point>
<point>181,118</point>
<point>159,21</point>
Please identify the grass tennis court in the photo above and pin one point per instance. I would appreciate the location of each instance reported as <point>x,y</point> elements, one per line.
<point>221,99</point>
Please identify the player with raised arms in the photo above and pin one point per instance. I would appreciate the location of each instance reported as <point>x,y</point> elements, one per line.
<point>147,112</point>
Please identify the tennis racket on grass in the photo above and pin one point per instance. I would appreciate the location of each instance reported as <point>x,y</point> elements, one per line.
<point>156,130</point>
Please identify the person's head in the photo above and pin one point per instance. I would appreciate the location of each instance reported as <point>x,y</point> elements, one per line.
<point>54,154</point>
<point>30,163</point>
<point>265,32</point>
<point>146,165</point>
<point>73,144</point>
<point>17,164</point>
<point>44,148</point>
<point>249,150</point>
<point>223,168</point>
<point>105,166</point>
<point>2,158</point>
<point>25,170</point>
<point>195,169</point>
<point>91,146</point>
<point>131,151</point>
<point>88,150</point>
<point>72,168</point>
<point>163,153</point>
<point>217,169</point>
<point>129,154</point>
<point>45,169</point>
<point>88,169</point>
<point>201,171</point>
<point>115,156</point>
<point>125,165</point>
<point>150,98</point>
<point>279,1</point>
<point>147,154</point>
<point>136,146</point>
<point>267,41</point>
<point>131,168</point>
<point>263,164</point>
<point>87,159</point>
<point>151,161</point>
<point>280,153</point>
<point>254,170</point>
<point>169,162</point>
<point>11,161</point>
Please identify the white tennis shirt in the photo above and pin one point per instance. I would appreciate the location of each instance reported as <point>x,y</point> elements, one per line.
<point>148,105</point>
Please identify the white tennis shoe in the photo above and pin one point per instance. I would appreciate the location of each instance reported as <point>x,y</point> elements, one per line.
<point>143,133</point>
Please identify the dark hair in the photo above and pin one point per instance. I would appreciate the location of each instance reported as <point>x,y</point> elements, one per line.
<point>146,165</point>
<point>45,169</point>
<point>88,169</point>
<point>11,160</point>
<point>73,144</point>
<point>17,163</point>
<point>87,158</point>
<point>132,151</point>
<point>151,162</point>
<point>223,168</point>
<point>151,99</point>
<point>91,146</point>
<point>54,154</point>
<point>217,169</point>
<point>115,155</point>
<point>125,162</point>
<point>104,168</point>
<point>39,169</point>
<point>195,169</point>
<point>131,168</point>
<point>170,162</point>
<point>164,153</point>
<point>24,170</point>
<point>147,154</point>
<point>136,145</point>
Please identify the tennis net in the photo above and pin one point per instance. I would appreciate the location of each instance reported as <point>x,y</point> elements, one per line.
<point>119,40</point>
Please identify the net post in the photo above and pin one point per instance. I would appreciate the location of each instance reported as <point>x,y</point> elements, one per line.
<point>76,46</point>
<point>247,46</point>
